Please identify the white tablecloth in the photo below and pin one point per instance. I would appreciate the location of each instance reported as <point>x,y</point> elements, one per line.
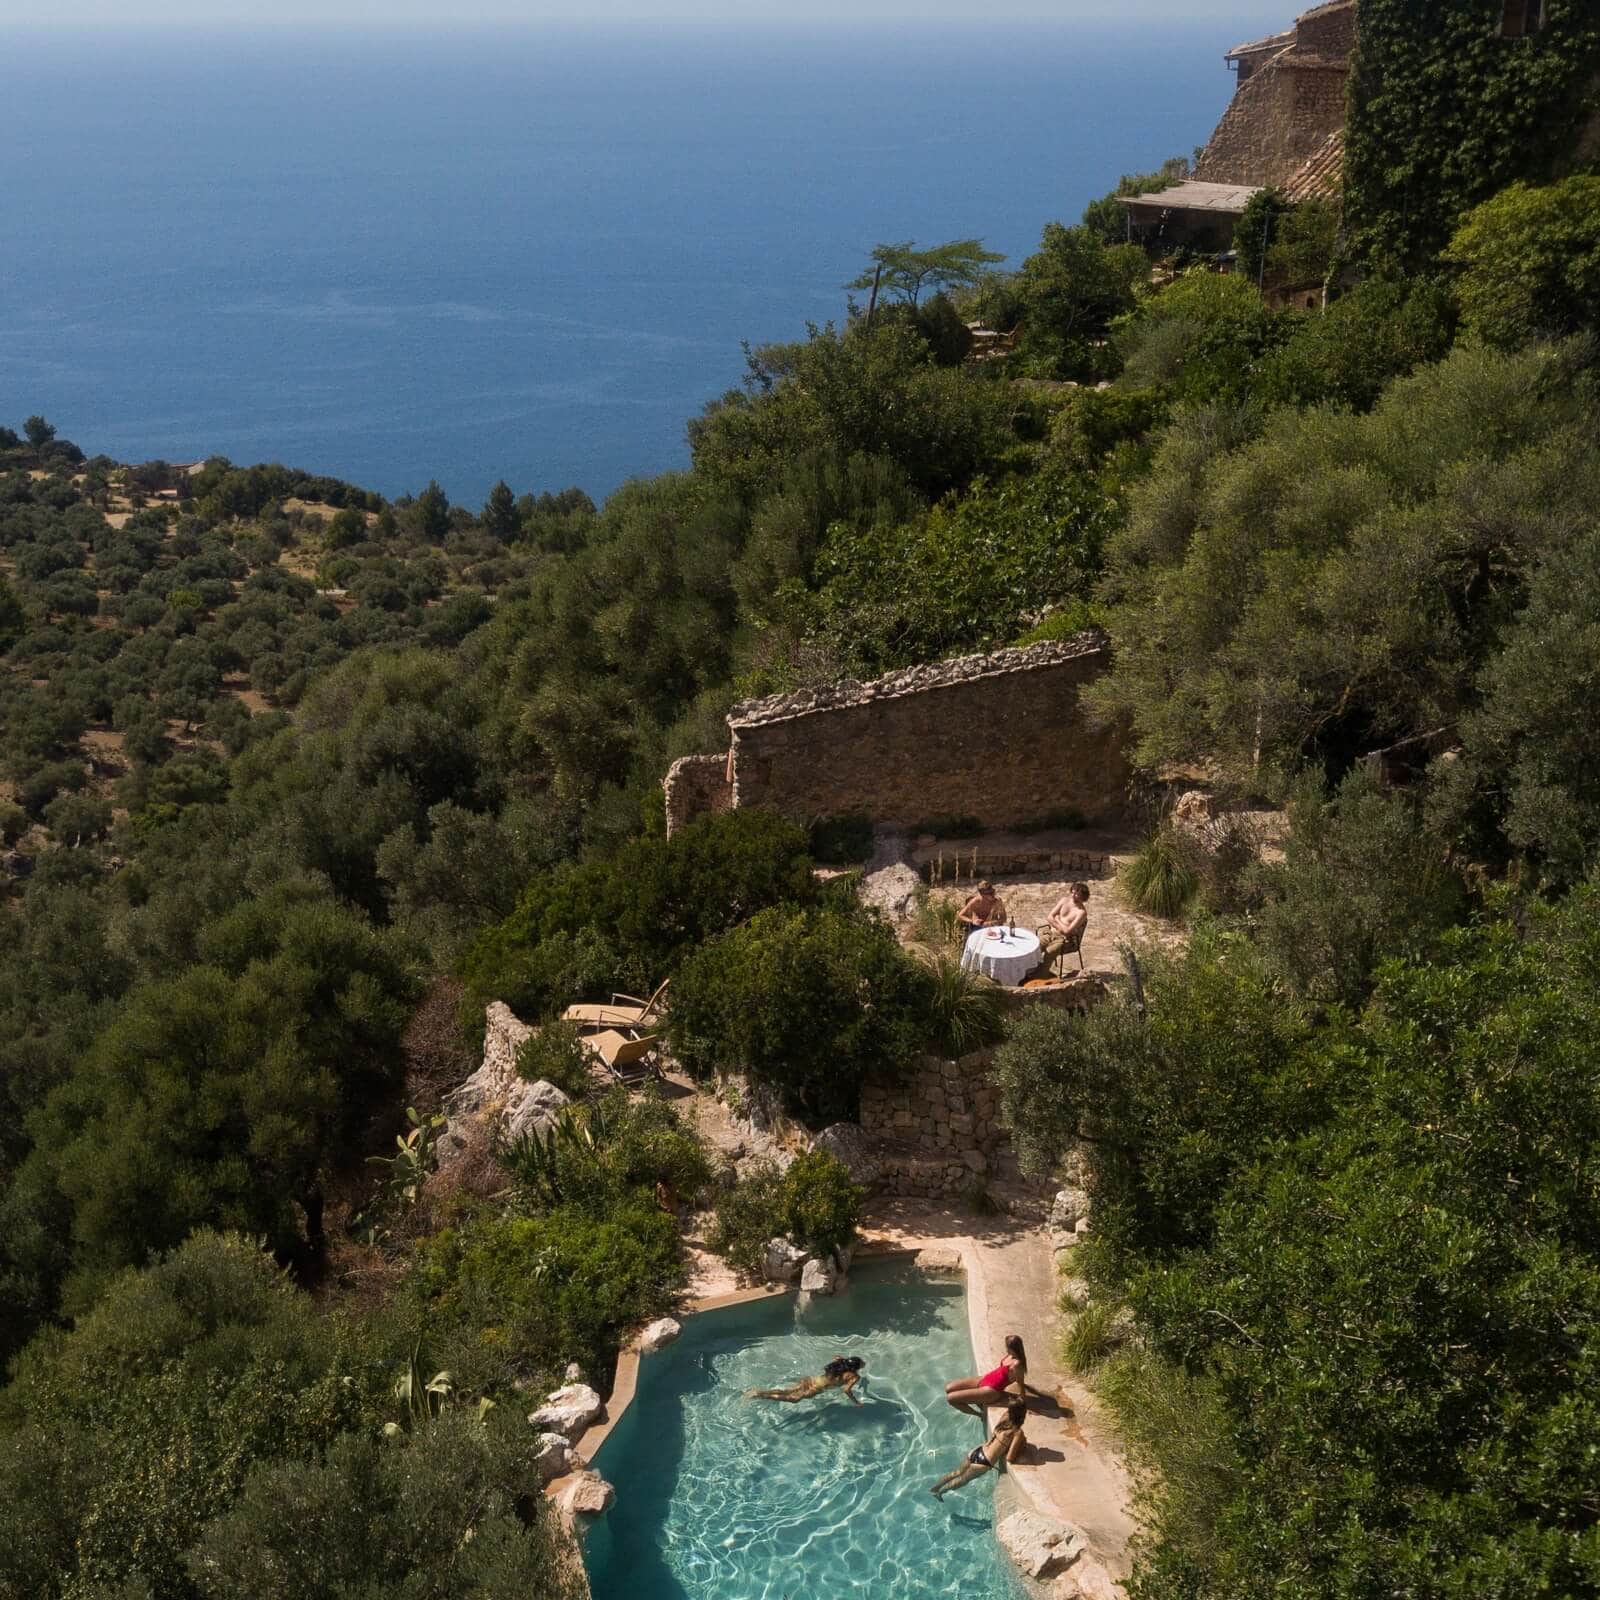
<point>1006,957</point>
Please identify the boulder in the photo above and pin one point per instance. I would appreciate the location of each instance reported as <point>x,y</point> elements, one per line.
<point>850,1144</point>
<point>584,1494</point>
<point>1069,1205</point>
<point>977,1162</point>
<point>818,1277</point>
<point>659,1334</point>
<point>568,1411</point>
<point>784,1260</point>
<point>842,1257</point>
<point>531,1107</point>
<point>553,1458</point>
<point>1038,1547</point>
<point>472,1094</point>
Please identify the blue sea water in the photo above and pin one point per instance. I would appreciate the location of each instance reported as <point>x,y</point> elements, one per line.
<point>719,1498</point>
<point>530,255</point>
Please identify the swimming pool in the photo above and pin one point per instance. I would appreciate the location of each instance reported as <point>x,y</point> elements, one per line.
<point>719,1498</point>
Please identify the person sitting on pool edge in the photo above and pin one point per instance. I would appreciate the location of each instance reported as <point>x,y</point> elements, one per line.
<point>1006,1443</point>
<point>973,1394</point>
<point>984,909</point>
<point>843,1372</point>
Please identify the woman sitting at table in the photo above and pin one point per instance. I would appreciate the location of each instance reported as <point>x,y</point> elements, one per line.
<point>984,910</point>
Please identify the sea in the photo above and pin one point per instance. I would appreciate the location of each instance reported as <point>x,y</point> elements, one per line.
<point>521,254</point>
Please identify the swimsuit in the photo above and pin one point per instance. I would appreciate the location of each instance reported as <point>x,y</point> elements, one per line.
<point>979,1459</point>
<point>997,1379</point>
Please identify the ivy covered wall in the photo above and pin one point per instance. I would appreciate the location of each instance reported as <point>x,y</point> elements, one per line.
<point>1445,111</point>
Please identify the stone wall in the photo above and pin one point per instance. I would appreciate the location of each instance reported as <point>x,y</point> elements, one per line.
<point>1000,738</point>
<point>503,1037</point>
<point>696,786</point>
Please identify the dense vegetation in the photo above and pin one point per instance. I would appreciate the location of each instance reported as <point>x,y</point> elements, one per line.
<point>293,780</point>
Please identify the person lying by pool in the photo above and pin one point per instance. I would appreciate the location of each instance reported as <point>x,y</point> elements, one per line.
<point>843,1372</point>
<point>972,1394</point>
<point>1006,1443</point>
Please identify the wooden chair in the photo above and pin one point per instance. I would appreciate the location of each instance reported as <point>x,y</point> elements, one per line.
<point>1073,946</point>
<point>625,1011</point>
<point>630,1060</point>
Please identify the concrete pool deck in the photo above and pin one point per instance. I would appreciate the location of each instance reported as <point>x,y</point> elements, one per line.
<point>1073,1471</point>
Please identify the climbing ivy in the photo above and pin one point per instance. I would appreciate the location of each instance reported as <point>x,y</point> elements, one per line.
<point>1445,111</point>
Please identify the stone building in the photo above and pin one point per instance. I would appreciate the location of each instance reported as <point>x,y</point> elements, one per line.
<point>1289,104</point>
<point>1284,128</point>
<point>999,739</point>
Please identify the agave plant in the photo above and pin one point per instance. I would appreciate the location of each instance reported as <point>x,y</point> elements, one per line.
<point>1161,879</point>
<point>544,1161</point>
<point>424,1398</point>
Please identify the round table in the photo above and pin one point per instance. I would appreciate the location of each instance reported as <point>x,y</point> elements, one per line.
<point>1006,957</point>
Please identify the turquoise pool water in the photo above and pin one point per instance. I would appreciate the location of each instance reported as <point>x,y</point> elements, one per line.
<point>719,1498</point>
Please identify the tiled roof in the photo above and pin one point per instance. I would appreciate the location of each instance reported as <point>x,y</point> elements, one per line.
<point>1322,177</point>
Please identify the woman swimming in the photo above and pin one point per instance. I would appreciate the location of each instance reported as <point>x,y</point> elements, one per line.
<point>972,1394</point>
<point>843,1372</point>
<point>1006,1443</point>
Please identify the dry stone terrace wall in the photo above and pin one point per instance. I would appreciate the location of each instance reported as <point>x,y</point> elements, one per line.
<point>936,1129</point>
<point>999,738</point>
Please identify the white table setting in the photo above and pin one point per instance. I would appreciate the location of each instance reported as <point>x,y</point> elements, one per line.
<point>1007,955</point>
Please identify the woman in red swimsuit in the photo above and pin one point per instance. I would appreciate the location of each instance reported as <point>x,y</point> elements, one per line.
<point>973,1394</point>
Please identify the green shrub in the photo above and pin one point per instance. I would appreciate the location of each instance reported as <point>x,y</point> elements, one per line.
<point>811,1002</point>
<point>815,1203</point>
<point>606,1156</point>
<point>1161,879</point>
<point>747,1216</point>
<point>822,1203</point>
<point>445,1513</point>
<point>583,931</point>
<point>13,823</point>
<point>1175,1429</point>
<point>554,1052</point>
<point>1089,1338</point>
<point>964,1010</point>
<point>522,1296</point>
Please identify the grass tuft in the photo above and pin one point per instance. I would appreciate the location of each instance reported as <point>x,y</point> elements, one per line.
<point>1160,880</point>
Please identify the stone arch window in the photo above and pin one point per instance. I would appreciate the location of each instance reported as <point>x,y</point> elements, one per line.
<point>1521,17</point>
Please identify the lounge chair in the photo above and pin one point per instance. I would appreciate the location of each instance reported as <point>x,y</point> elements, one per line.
<point>628,1060</point>
<point>1073,946</point>
<point>625,1011</point>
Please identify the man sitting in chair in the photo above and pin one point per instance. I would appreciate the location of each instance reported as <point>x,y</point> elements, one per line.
<point>1068,918</point>
<point>985,909</point>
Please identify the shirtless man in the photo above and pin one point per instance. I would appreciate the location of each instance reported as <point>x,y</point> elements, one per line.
<point>1068,918</point>
<point>984,909</point>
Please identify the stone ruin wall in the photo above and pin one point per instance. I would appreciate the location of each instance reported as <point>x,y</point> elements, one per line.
<point>503,1036</point>
<point>999,738</point>
<point>696,786</point>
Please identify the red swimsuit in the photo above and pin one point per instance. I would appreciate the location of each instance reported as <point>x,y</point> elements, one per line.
<point>996,1380</point>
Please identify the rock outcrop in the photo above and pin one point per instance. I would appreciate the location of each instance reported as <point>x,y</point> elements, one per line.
<point>553,1457</point>
<point>584,1494</point>
<point>659,1334</point>
<point>568,1411</point>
